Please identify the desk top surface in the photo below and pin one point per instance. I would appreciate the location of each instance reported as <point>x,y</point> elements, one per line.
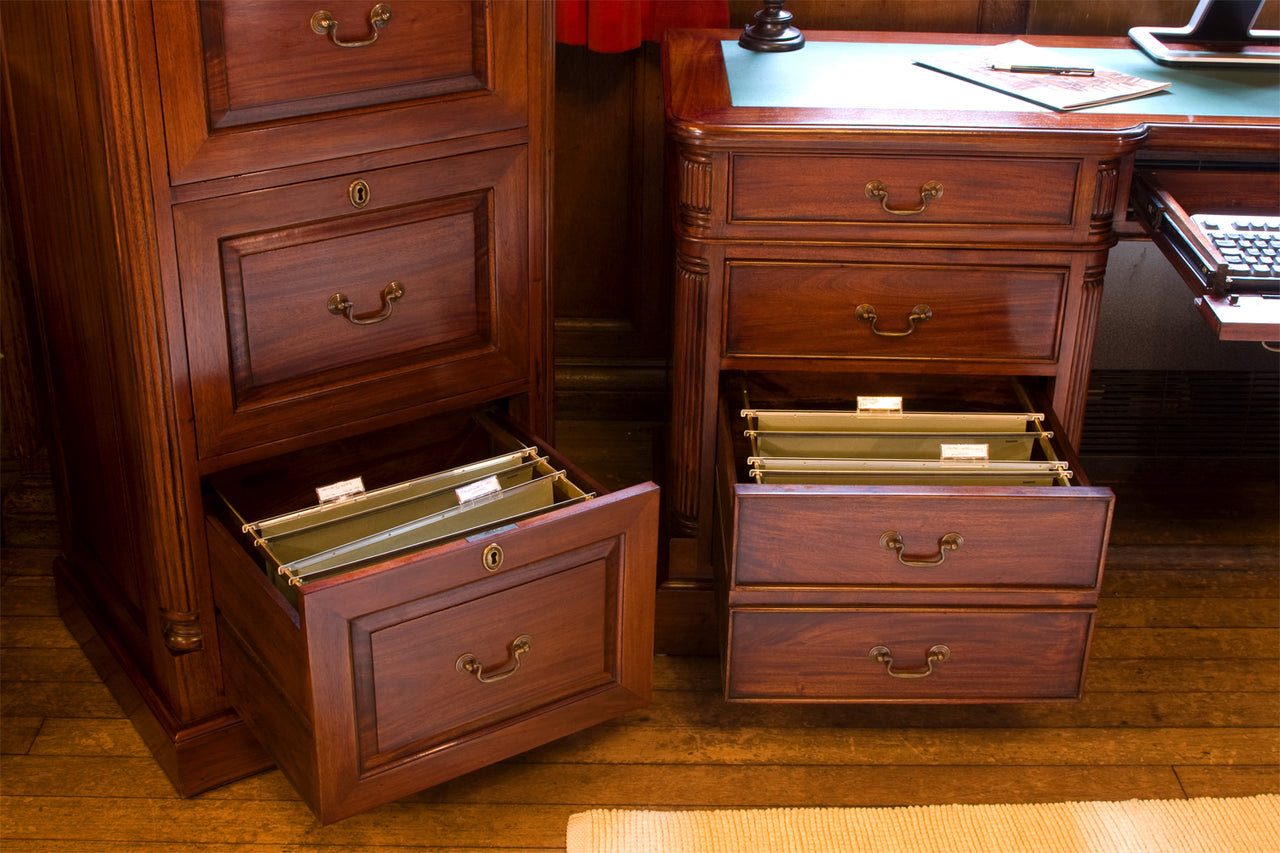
<point>869,82</point>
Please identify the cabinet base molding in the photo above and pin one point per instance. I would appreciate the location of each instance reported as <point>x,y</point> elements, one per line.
<point>195,756</point>
<point>686,621</point>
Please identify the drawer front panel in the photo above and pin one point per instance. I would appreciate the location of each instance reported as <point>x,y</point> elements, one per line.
<point>272,63</point>
<point>810,189</point>
<point>433,269</point>
<point>989,655</point>
<point>1042,537</point>
<point>973,313</point>
<point>376,705</point>
<point>280,281</point>
<point>414,665</point>
<point>252,86</point>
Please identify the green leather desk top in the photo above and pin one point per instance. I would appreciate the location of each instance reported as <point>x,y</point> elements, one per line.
<point>838,75</point>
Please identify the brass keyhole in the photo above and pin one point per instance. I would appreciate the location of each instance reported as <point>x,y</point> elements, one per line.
<point>358,192</point>
<point>492,557</point>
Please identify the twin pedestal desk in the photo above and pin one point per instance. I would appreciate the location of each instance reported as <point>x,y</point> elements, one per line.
<point>871,257</point>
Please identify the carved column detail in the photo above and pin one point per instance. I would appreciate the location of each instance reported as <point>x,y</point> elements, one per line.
<point>181,631</point>
<point>1105,195</point>
<point>1077,392</point>
<point>694,190</point>
<point>692,275</point>
<point>142,359</point>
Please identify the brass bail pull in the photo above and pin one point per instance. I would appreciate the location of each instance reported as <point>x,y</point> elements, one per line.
<point>937,654</point>
<point>470,663</point>
<point>876,190</point>
<point>324,23</point>
<point>867,314</point>
<point>891,540</point>
<point>342,306</point>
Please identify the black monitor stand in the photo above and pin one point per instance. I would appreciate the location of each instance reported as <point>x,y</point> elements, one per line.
<point>1220,32</point>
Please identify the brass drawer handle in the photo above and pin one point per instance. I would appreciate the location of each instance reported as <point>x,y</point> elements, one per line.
<point>323,22</point>
<point>877,190</point>
<point>340,305</point>
<point>937,654</point>
<point>892,540</point>
<point>867,313</point>
<point>470,663</point>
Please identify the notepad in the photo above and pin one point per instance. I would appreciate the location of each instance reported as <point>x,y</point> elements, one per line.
<point>1058,91</point>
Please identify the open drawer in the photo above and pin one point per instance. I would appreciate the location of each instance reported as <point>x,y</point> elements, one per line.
<point>962,583</point>
<point>1165,202</point>
<point>400,667</point>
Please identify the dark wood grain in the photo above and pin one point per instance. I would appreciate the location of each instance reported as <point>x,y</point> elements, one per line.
<point>977,311</point>
<point>423,78</point>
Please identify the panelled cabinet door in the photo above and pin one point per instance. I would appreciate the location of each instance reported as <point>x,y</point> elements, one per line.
<point>244,83</point>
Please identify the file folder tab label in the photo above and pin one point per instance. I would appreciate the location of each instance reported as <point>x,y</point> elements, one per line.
<point>881,405</point>
<point>340,491</point>
<point>480,489</point>
<point>967,452</point>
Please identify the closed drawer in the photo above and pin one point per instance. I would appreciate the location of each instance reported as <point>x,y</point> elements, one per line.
<point>888,197</point>
<point>399,674</point>
<point>917,655</point>
<point>251,86</point>
<point>434,271</point>
<point>292,59</point>
<point>909,310</point>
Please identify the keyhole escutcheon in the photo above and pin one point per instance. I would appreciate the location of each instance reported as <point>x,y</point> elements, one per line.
<point>492,557</point>
<point>358,192</point>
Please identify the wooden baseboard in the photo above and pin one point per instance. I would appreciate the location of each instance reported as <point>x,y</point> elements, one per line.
<point>611,390</point>
<point>196,756</point>
<point>686,622</point>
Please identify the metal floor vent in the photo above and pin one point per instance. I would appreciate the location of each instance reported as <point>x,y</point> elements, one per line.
<point>1182,413</point>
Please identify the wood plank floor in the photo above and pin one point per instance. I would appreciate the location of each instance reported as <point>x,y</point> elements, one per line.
<point>1182,700</point>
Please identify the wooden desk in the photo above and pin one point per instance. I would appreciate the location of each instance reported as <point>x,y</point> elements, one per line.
<point>768,190</point>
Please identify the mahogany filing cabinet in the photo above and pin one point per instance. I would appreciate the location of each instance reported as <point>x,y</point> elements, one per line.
<point>279,246</point>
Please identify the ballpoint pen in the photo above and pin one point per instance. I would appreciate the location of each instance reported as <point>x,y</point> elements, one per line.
<point>1045,69</point>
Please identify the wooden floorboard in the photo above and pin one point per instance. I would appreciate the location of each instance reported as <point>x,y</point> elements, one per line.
<point>1181,699</point>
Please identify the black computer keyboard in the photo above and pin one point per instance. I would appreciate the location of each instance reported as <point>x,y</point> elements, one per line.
<point>1250,247</point>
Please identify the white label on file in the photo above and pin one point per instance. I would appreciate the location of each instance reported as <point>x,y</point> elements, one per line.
<point>340,491</point>
<point>881,405</point>
<point>477,490</point>
<point>955,452</point>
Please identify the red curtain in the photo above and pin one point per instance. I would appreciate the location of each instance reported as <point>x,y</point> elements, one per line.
<point>612,26</point>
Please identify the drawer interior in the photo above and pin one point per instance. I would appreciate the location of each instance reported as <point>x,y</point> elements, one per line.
<point>973,432</point>
<point>348,504</point>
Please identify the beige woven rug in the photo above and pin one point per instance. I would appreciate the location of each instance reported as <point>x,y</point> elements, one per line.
<point>1212,825</point>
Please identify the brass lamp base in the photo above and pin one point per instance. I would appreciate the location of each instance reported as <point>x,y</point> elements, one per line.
<point>772,31</point>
